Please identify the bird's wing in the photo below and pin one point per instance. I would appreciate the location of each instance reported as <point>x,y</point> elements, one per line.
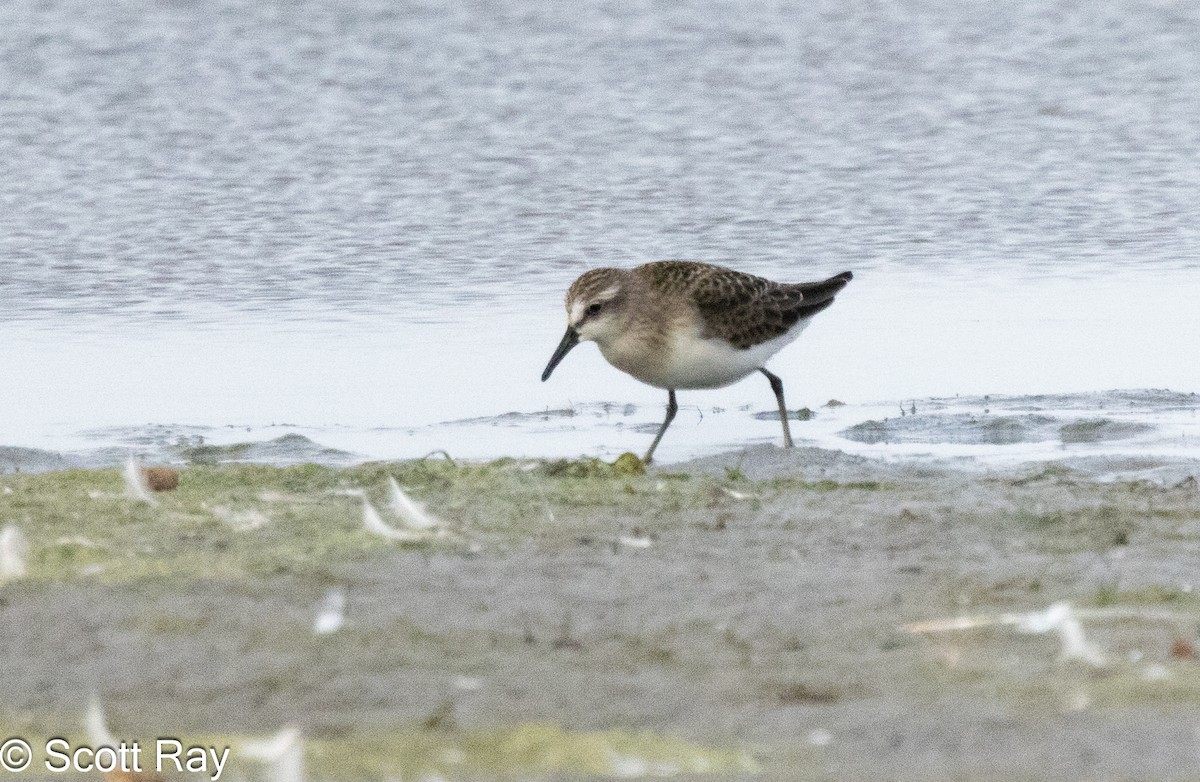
<point>744,309</point>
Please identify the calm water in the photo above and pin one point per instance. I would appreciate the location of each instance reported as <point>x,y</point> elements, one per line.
<point>357,215</point>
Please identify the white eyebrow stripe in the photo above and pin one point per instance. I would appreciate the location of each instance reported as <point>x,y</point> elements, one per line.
<point>577,307</point>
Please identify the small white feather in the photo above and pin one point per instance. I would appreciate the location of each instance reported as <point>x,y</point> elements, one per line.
<point>283,754</point>
<point>135,484</point>
<point>14,552</point>
<point>1059,617</point>
<point>737,495</point>
<point>347,492</point>
<point>636,541</point>
<point>469,683</point>
<point>375,524</point>
<point>332,614</point>
<point>411,513</point>
<point>97,726</point>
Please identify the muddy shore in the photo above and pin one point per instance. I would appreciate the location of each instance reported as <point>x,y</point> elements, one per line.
<point>747,614</point>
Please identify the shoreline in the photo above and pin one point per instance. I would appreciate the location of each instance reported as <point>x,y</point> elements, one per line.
<point>996,430</point>
<point>748,610</point>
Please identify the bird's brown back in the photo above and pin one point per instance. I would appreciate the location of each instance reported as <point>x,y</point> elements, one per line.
<point>742,309</point>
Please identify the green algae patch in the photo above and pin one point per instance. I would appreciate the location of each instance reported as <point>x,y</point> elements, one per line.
<point>869,432</point>
<point>532,748</point>
<point>1083,529</point>
<point>234,520</point>
<point>1095,430</point>
<point>503,752</point>
<point>1151,595</point>
<point>590,467</point>
<point>288,449</point>
<point>1050,472</point>
<point>629,464</point>
<point>223,522</point>
<point>827,485</point>
<point>715,607</point>
<point>214,454</point>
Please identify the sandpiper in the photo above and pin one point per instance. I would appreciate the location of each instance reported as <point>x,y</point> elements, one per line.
<point>683,324</point>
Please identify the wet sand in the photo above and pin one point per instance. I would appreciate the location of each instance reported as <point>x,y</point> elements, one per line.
<point>746,612</point>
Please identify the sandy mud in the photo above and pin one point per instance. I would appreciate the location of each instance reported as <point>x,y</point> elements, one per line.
<point>760,613</point>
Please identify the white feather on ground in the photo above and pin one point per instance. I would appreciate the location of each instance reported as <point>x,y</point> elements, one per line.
<point>352,492</point>
<point>636,540</point>
<point>14,553</point>
<point>332,614</point>
<point>1059,617</point>
<point>375,525</point>
<point>135,484</point>
<point>411,513</point>
<point>737,495</point>
<point>97,726</point>
<point>283,754</point>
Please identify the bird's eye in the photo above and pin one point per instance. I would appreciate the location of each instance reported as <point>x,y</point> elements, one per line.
<point>594,308</point>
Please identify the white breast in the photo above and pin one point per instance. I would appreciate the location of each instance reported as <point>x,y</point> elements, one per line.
<point>691,361</point>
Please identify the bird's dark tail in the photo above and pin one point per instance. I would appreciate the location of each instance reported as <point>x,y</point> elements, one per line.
<point>819,291</point>
<point>819,295</point>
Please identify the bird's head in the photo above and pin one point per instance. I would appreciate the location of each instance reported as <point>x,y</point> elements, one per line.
<point>597,305</point>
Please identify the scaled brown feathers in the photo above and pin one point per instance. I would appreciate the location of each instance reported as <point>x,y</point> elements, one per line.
<point>743,309</point>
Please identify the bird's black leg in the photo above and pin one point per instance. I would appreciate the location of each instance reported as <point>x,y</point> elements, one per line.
<point>777,387</point>
<point>672,408</point>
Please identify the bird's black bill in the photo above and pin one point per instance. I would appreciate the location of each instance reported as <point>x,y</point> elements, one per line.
<point>569,340</point>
